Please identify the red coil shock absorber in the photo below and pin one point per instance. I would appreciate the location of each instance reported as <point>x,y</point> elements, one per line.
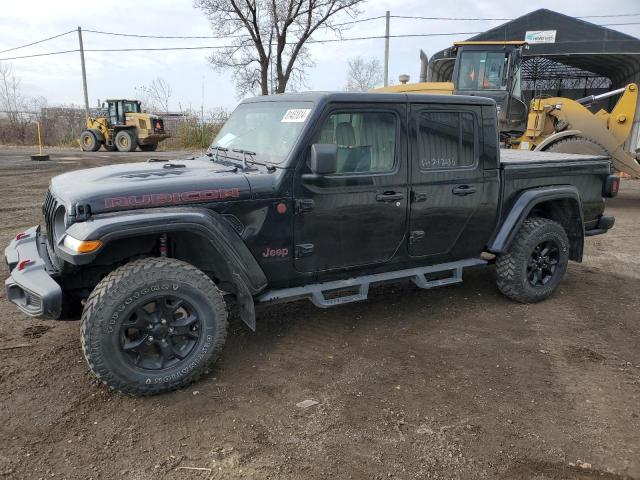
<point>163,245</point>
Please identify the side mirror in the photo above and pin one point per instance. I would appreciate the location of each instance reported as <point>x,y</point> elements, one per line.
<point>324,158</point>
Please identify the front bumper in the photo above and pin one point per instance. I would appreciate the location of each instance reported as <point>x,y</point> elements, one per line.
<point>152,138</point>
<point>30,285</point>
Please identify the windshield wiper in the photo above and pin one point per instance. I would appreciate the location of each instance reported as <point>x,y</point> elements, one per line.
<point>270,167</point>
<point>244,155</point>
<point>217,149</point>
<point>217,159</point>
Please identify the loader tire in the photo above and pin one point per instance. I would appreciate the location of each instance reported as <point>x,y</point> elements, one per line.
<point>152,326</point>
<point>578,145</point>
<point>89,142</point>
<point>125,141</point>
<point>535,262</point>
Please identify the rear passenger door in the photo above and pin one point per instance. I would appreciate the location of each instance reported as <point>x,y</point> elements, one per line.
<point>447,184</point>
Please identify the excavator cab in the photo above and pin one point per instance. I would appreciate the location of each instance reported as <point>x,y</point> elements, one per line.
<point>118,108</point>
<point>492,69</point>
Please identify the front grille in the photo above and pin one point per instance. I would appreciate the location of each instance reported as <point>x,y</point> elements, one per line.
<point>48,210</point>
<point>32,301</point>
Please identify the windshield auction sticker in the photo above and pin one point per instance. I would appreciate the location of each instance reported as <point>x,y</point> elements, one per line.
<point>296,115</point>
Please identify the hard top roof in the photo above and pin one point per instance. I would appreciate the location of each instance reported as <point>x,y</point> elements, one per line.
<point>370,97</point>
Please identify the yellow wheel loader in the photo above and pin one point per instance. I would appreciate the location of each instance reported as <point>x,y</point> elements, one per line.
<point>124,128</point>
<point>557,124</point>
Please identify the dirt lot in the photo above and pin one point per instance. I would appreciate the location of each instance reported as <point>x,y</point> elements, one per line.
<point>457,382</point>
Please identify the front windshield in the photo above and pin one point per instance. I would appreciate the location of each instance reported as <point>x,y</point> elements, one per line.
<point>483,71</point>
<point>268,129</point>
<point>131,107</point>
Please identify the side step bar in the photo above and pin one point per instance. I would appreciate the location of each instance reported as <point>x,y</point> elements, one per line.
<point>316,292</point>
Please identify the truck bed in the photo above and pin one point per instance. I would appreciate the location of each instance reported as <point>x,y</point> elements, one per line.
<point>522,170</point>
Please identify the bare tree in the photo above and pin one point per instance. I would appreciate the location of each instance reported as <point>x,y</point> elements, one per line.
<point>155,96</point>
<point>266,35</point>
<point>362,74</point>
<point>12,102</point>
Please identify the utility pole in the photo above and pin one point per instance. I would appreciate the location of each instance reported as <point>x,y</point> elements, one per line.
<point>386,50</point>
<point>202,116</point>
<point>84,74</point>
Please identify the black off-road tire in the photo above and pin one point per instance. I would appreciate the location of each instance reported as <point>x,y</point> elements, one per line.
<point>110,148</point>
<point>125,141</point>
<point>89,142</point>
<point>148,148</point>
<point>512,266</point>
<point>126,289</point>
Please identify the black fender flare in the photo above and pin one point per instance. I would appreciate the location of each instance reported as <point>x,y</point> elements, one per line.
<point>237,266</point>
<point>522,207</point>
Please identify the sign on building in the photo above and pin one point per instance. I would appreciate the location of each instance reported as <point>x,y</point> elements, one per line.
<point>540,36</point>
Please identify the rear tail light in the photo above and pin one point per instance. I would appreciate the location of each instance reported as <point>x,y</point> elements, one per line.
<point>21,235</point>
<point>611,186</point>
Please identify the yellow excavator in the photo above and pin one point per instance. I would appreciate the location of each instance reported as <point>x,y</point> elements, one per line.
<point>554,124</point>
<point>123,127</point>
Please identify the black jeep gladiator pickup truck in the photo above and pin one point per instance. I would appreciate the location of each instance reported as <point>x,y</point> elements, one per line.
<point>315,195</point>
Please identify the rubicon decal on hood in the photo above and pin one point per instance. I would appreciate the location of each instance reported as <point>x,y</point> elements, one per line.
<point>152,199</point>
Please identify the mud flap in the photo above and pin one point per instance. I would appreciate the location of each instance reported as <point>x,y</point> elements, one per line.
<point>245,302</point>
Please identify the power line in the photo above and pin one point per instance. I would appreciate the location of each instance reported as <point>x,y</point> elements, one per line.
<point>411,17</point>
<point>406,17</point>
<point>616,15</point>
<point>214,47</point>
<point>35,43</point>
<point>470,19</point>
<point>213,37</point>
<point>39,55</point>
<point>135,35</point>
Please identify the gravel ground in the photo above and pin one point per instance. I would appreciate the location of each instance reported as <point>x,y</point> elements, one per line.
<point>457,382</point>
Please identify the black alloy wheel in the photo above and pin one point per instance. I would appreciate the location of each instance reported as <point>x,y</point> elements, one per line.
<point>160,333</point>
<point>543,263</point>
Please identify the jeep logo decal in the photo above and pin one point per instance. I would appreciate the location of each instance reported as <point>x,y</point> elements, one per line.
<point>275,252</point>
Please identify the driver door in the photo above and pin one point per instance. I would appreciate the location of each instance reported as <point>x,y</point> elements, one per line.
<point>356,216</point>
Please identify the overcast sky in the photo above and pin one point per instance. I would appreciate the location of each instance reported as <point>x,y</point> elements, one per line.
<point>116,74</point>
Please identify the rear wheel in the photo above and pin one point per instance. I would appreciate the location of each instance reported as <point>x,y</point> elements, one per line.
<point>536,261</point>
<point>125,141</point>
<point>149,148</point>
<point>577,145</point>
<point>152,326</point>
<point>89,142</point>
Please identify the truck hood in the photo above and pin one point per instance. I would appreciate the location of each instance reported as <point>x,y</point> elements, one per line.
<point>149,184</point>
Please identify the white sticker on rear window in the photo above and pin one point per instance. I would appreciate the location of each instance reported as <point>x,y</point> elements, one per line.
<point>296,115</point>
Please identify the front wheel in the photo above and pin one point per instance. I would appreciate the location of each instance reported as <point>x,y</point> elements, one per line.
<point>536,261</point>
<point>89,142</point>
<point>152,326</point>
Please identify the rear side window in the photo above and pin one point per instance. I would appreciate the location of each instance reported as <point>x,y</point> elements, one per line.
<point>446,140</point>
<point>366,140</point>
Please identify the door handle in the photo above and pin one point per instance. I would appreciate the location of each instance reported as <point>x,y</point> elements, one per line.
<point>389,197</point>
<point>463,190</point>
